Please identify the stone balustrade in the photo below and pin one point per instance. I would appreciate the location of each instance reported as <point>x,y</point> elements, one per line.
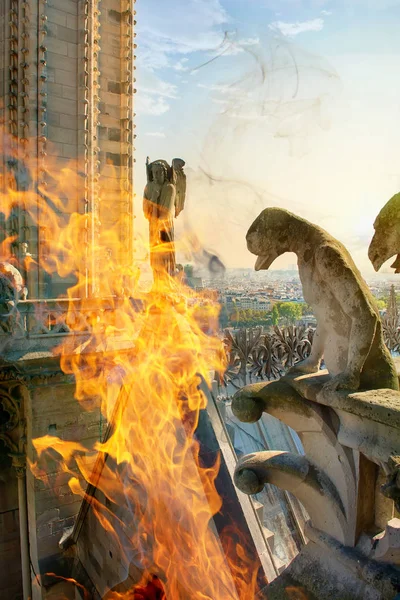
<point>37,325</point>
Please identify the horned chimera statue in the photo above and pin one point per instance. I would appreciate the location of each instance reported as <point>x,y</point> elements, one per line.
<point>386,240</point>
<point>349,333</point>
<point>163,200</point>
<point>11,290</point>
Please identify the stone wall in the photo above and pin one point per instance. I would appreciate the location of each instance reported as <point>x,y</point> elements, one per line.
<point>10,557</point>
<point>53,410</point>
<point>37,400</point>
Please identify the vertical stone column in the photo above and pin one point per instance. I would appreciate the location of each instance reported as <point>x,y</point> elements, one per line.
<point>94,172</point>
<point>19,74</point>
<point>116,64</point>
<point>19,463</point>
<point>127,146</point>
<point>30,229</point>
<point>4,74</point>
<point>12,150</point>
<point>13,435</point>
<point>84,122</point>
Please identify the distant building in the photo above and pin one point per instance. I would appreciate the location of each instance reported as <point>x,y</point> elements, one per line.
<point>264,304</point>
<point>307,321</point>
<point>195,283</point>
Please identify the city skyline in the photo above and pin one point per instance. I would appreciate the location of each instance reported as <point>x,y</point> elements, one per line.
<point>287,104</point>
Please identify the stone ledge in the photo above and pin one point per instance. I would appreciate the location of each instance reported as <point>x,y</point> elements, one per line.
<point>381,406</point>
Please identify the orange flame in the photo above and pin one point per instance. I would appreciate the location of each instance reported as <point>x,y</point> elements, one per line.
<point>86,595</point>
<point>295,593</point>
<point>161,353</point>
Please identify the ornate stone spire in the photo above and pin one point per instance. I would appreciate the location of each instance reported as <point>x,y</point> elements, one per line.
<point>392,309</point>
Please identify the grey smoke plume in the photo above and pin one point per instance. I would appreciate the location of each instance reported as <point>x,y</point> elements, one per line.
<point>270,107</point>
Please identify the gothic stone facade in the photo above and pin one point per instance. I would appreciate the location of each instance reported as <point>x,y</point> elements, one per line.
<point>66,94</point>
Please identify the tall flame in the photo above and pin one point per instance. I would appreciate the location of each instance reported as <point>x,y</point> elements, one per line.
<point>159,355</point>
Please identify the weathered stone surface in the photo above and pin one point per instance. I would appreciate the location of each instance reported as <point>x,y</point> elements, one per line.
<point>317,429</point>
<point>391,489</point>
<point>163,200</point>
<point>345,436</point>
<point>387,544</point>
<point>349,330</point>
<point>368,421</point>
<point>329,570</point>
<point>386,240</point>
<point>11,285</point>
<point>299,476</point>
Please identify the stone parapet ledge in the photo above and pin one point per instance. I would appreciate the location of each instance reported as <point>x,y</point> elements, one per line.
<point>369,421</point>
<point>40,325</point>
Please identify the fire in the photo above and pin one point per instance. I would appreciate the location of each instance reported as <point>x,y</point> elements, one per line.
<point>295,593</point>
<point>160,355</point>
<point>70,581</point>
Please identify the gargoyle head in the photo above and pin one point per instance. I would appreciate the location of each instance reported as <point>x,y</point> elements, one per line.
<point>386,240</point>
<point>269,236</point>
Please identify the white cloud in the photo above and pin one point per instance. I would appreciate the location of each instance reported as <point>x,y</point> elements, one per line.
<point>327,13</point>
<point>232,47</point>
<point>223,89</point>
<point>180,65</point>
<point>219,101</point>
<point>148,105</point>
<point>163,33</point>
<point>292,29</point>
<point>159,88</point>
<point>249,41</point>
<point>192,25</point>
<point>159,134</point>
<point>154,95</point>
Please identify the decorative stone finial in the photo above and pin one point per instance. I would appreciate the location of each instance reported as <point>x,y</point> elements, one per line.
<point>163,199</point>
<point>386,240</point>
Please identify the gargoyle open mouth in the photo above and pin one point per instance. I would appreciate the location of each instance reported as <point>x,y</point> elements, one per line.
<point>396,264</point>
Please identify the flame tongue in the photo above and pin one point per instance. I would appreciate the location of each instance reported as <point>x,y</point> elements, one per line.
<point>154,590</point>
<point>169,498</point>
<point>157,425</point>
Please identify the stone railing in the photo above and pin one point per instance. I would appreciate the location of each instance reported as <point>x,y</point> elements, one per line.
<point>38,324</point>
<point>254,355</point>
<point>251,353</point>
<point>37,318</point>
<point>391,333</point>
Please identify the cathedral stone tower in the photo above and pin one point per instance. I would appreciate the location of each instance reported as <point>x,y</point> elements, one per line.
<point>66,94</point>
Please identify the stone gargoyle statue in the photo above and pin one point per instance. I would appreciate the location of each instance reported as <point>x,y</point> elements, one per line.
<point>386,240</point>
<point>11,286</point>
<point>349,332</point>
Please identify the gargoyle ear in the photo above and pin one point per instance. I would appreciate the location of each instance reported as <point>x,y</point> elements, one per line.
<point>178,163</point>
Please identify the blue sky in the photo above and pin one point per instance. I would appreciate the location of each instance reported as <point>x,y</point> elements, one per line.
<point>286,103</point>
